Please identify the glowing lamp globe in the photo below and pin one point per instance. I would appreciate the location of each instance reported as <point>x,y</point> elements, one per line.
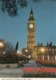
<point>1,44</point>
<point>18,52</point>
<point>42,50</point>
<point>26,50</point>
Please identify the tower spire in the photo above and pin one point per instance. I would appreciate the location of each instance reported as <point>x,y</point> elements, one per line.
<point>31,11</point>
<point>31,15</point>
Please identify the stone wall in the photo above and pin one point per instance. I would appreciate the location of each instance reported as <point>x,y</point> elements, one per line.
<point>8,65</point>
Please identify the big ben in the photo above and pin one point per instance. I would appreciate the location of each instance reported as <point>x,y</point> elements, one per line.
<point>31,31</point>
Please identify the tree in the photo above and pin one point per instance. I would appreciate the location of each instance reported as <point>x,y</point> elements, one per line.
<point>26,51</point>
<point>8,55</point>
<point>36,0</point>
<point>6,47</point>
<point>12,6</point>
<point>9,48</point>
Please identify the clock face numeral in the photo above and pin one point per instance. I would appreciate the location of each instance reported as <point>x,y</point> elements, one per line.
<point>31,26</point>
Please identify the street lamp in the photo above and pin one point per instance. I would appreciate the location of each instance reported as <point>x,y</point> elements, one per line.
<point>1,44</point>
<point>26,50</point>
<point>42,50</point>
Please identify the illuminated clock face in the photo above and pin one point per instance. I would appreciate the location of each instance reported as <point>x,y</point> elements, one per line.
<point>31,26</point>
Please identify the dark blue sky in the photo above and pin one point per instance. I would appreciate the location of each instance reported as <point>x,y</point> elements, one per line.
<point>15,29</point>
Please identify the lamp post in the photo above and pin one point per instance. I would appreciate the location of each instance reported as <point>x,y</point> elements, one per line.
<point>42,51</point>
<point>26,51</point>
<point>2,47</point>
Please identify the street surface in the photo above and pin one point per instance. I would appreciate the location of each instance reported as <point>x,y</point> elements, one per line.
<point>32,63</point>
<point>11,72</point>
<point>17,72</point>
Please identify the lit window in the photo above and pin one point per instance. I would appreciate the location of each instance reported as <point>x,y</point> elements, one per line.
<point>55,57</point>
<point>48,57</point>
<point>35,49</point>
<point>46,49</point>
<point>49,49</point>
<point>52,49</point>
<point>55,49</point>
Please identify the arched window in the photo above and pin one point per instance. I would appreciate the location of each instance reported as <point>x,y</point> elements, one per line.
<point>43,57</point>
<point>55,57</point>
<point>48,57</point>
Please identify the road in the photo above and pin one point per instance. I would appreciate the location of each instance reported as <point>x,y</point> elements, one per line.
<point>32,63</point>
<point>17,72</point>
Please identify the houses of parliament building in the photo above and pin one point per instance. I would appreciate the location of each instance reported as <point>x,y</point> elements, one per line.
<point>47,52</point>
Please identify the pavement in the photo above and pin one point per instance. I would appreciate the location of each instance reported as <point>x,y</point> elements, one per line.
<point>11,72</point>
<point>17,72</point>
<point>33,64</point>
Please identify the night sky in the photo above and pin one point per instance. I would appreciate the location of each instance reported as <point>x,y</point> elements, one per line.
<point>15,29</point>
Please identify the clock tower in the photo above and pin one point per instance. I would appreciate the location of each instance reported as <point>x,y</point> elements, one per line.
<point>31,31</point>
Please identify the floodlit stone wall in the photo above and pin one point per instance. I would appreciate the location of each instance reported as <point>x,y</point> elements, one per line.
<point>8,65</point>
